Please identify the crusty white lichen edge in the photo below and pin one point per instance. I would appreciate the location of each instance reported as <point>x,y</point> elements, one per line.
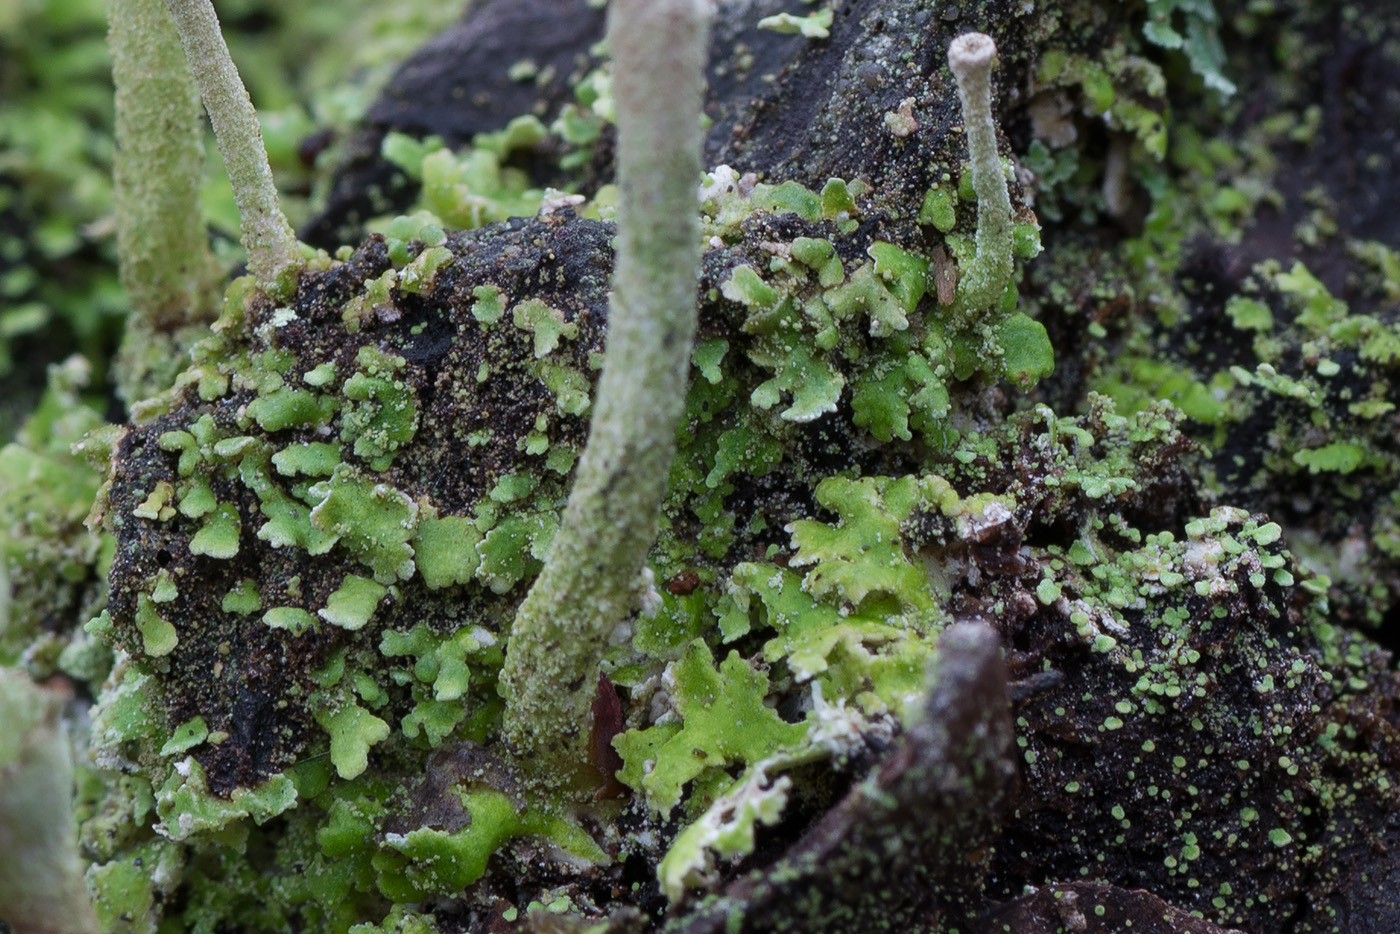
<point>588,583</point>
<point>725,831</point>
<point>982,282</point>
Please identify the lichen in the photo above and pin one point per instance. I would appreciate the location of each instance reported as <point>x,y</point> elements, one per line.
<point>304,546</point>
<point>319,536</point>
<point>54,566</point>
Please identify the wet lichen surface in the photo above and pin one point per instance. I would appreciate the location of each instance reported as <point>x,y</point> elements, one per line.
<point>1150,573</point>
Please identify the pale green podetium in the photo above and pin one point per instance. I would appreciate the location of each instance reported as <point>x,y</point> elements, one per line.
<point>169,274</point>
<point>588,585</point>
<point>982,282</point>
<point>273,255</point>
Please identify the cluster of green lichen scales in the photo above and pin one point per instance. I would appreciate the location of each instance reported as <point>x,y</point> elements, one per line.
<point>323,533</point>
<point>326,527</point>
<point>325,536</point>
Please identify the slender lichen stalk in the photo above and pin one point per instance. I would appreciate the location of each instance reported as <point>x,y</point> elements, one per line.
<point>273,256</point>
<point>169,273</point>
<point>166,265</point>
<point>588,584</point>
<point>982,282</point>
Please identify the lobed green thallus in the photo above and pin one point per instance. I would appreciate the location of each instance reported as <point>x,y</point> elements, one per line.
<point>465,558</point>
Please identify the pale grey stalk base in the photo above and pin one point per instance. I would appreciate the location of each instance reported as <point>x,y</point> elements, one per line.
<point>273,256</point>
<point>588,583</point>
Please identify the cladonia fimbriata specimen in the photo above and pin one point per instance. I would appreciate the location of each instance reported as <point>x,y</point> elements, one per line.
<point>273,255</point>
<point>589,581</point>
<point>318,702</point>
<point>167,270</point>
<point>982,282</point>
